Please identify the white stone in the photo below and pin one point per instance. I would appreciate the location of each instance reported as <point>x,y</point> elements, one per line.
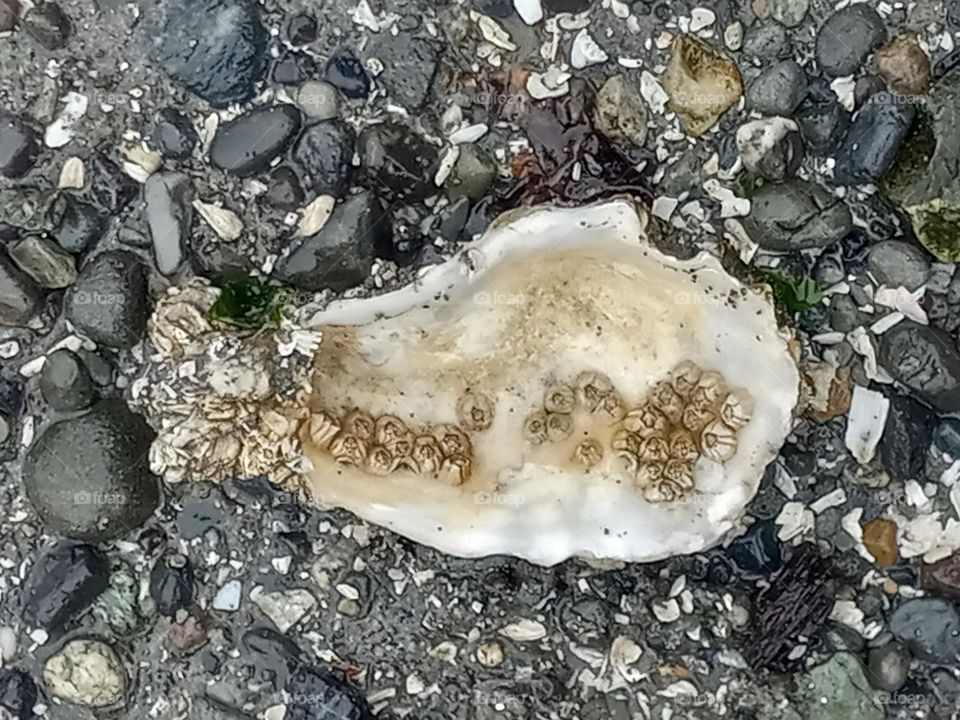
<point>586,52</point>
<point>227,598</point>
<point>61,130</point>
<point>530,11</point>
<point>524,631</point>
<point>285,607</point>
<point>865,422</point>
<point>316,214</point>
<point>223,221</point>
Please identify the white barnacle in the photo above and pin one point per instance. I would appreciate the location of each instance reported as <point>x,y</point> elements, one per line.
<point>592,387</point>
<point>667,401</point>
<point>654,449</point>
<point>682,444</point>
<point>623,439</point>
<point>588,452</point>
<point>475,411</point>
<point>696,417</point>
<point>535,428</point>
<point>379,461</point>
<point>645,421</point>
<point>559,426</point>
<point>455,469</point>
<point>737,408</point>
<point>452,440</point>
<point>359,424</point>
<point>348,449</point>
<point>718,441</point>
<point>684,378</point>
<point>560,398</point>
<point>610,406</point>
<point>427,455</point>
<point>679,473</point>
<point>389,430</point>
<point>710,390</point>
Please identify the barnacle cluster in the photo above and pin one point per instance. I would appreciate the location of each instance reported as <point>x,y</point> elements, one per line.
<point>383,445</point>
<point>690,414</point>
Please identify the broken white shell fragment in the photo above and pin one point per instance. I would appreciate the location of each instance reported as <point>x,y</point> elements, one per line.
<point>224,222</point>
<point>865,423</point>
<point>560,389</point>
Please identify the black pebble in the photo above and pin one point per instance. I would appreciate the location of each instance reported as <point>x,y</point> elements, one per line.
<point>18,693</point>
<point>63,583</point>
<point>302,29</point>
<point>173,134</point>
<point>346,73</point>
<point>171,584</point>
<point>283,189</point>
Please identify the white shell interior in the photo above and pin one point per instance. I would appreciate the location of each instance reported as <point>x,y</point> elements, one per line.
<point>546,294</point>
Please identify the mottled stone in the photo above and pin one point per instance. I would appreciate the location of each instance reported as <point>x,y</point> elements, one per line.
<point>411,64</point>
<point>895,262</point>
<point>926,361</point>
<point>325,151</point>
<point>796,215</point>
<point>65,382</point>
<point>62,584</point>
<point>88,673</point>
<point>169,215</point>
<point>930,627</point>
<point>880,539</point>
<point>18,146</point>
<point>19,296</point>
<point>701,84</point>
<point>838,690</point>
<point>45,262</point>
<point>904,65</point>
<point>778,90</point>
<point>620,112</point>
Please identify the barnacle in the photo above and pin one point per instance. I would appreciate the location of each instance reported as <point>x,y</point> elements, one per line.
<point>475,411</point>
<point>596,397</point>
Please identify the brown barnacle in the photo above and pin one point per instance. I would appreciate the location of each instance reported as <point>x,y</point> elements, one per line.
<point>588,452</point>
<point>710,390</point>
<point>455,470</point>
<point>379,461</point>
<point>535,428</point>
<point>654,449</point>
<point>737,408</point>
<point>623,439</point>
<point>452,440</point>
<point>718,442</point>
<point>684,377</point>
<point>696,417</point>
<point>667,401</point>
<point>682,445</point>
<point>475,411</point>
<point>645,421</point>
<point>612,406</point>
<point>559,426</point>
<point>388,430</point>
<point>348,449</point>
<point>359,424</point>
<point>679,473</point>
<point>427,455</point>
<point>592,387</point>
<point>322,428</point>
<point>560,398</point>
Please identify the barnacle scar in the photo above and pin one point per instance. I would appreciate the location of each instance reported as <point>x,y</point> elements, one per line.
<point>561,388</point>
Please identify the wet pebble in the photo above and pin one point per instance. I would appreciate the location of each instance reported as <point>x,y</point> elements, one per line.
<point>246,145</point>
<point>80,226</point>
<point>341,254</point>
<point>65,382</point>
<point>399,159</point>
<point>324,152</point>
<point>946,437</point>
<point>345,72</point>
<point>929,627</point>
<point>45,262</point>
<point>758,552</point>
<point>473,174</point>
<point>766,39</point>
<point>318,100</point>
<point>796,215</point>
<point>778,90</point>
<point>62,585</point>
<point>770,147</point>
<point>86,672</point>
<point>49,25</point>
<point>169,215</point>
<point>926,361</point>
<point>283,189</point>
<point>880,539</point>
<point>108,489</point>
<point>873,140</point>
<point>18,146</point>
<point>823,121</point>
<point>18,691</point>
<point>108,302</point>
<point>173,134</point>
<point>293,68</point>
<point>319,694</point>
<point>302,29</point>
<point>894,263</point>
<point>848,36</point>
<point>214,48</point>
<point>411,64</point>
<point>838,689</point>
<point>171,583</point>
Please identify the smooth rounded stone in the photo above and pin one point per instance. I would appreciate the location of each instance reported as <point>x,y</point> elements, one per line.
<point>107,488</point>
<point>49,25</point>
<point>621,113</point>
<point>246,145</point>
<point>796,215</point>
<point>302,29</point>
<point>838,690</point>
<point>341,255</point>
<point>906,438</point>
<point>173,135</point>
<point>18,146</point>
<point>848,37</point>
<point>325,152</point>
<point>865,88</point>
<point>10,11</point>
<point>318,100</point>
<point>770,147</point>
<point>823,121</point>
<point>929,627</point>
<point>65,382</point>
<point>946,437</point>
<point>766,39</point>
<point>789,13</point>
<point>410,62</point>
<point>63,583</point>
<point>778,90</point>
<point>904,65</point>
<point>399,159</point>
<point>894,263</point>
<point>45,262</point>
<point>293,68</point>
<point>171,584</point>
<point>345,72</point>
<point>18,691</point>
<point>844,314</point>
<point>926,361</point>
<point>889,666</point>
<point>473,174</point>
<point>169,214</point>
<point>283,189</point>
<point>108,302</point>
<point>88,673</point>
<point>80,226</point>
<point>758,552</point>
<point>873,140</point>
<point>216,49</point>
